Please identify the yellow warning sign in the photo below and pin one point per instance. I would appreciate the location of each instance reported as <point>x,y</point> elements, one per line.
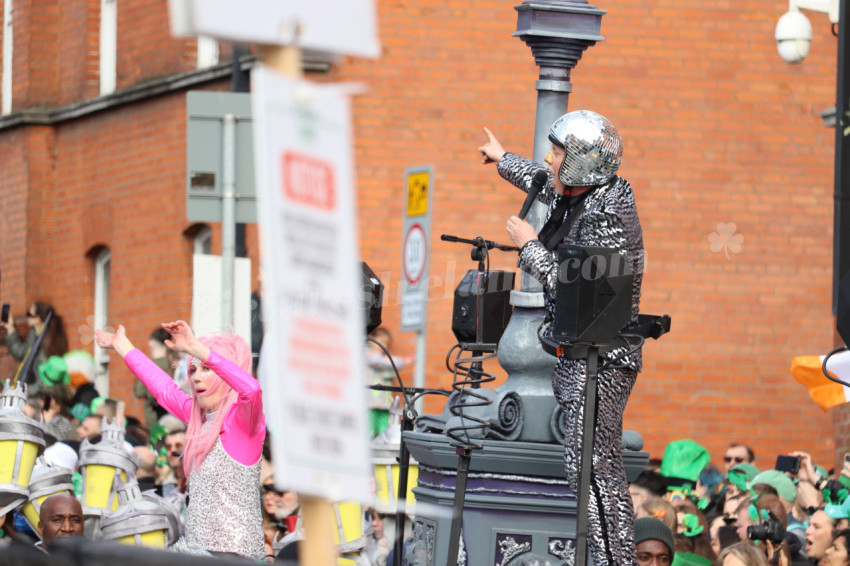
<point>417,193</point>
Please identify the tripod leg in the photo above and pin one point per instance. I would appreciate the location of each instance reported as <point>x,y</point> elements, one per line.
<point>463,458</point>
<point>586,459</point>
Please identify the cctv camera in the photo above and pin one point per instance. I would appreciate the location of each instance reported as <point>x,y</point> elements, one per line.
<point>793,36</point>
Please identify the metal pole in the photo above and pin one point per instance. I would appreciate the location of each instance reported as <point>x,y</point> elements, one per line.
<point>841,236</point>
<point>401,495</point>
<point>586,451</point>
<point>419,366</point>
<point>228,221</point>
<point>464,456</point>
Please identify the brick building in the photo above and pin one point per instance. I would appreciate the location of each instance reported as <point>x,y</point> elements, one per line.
<point>717,129</point>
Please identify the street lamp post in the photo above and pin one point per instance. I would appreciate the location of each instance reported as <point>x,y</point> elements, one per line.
<point>793,36</point>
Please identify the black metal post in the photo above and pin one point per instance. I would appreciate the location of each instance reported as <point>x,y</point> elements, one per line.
<point>240,82</point>
<point>841,236</point>
<point>464,456</point>
<point>586,451</point>
<point>401,495</point>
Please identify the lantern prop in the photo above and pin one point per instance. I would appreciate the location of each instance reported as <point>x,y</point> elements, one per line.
<point>349,533</point>
<point>385,463</point>
<point>172,510</point>
<point>103,464</point>
<point>46,480</point>
<point>21,441</point>
<point>138,521</point>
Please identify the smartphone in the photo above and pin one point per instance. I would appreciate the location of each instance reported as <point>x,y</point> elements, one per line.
<point>4,315</point>
<point>790,464</point>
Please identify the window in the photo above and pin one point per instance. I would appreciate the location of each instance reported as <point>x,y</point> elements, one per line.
<point>203,241</point>
<point>102,265</point>
<point>6,69</point>
<point>108,45</point>
<point>207,51</point>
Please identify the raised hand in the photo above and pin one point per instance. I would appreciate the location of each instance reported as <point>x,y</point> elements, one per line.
<point>106,340</point>
<point>492,151</point>
<point>183,340</point>
<point>182,336</point>
<point>117,340</point>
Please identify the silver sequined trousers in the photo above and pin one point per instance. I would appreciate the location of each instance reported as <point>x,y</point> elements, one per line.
<point>224,506</point>
<point>608,219</point>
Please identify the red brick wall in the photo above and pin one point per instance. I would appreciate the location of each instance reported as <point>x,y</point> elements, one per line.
<point>13,230</point>
<point>717,129</point>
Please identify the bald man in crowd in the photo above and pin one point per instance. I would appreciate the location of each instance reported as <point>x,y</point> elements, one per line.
<point>146,470</point>
<point>61,516</point>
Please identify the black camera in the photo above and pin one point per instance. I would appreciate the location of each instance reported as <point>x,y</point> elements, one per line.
<point>770,530</point>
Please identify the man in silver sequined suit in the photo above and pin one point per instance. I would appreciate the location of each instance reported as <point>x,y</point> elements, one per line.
<point>588,204</point>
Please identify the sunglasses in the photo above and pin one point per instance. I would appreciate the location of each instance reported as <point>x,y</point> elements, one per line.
<point>270,488</point>
<point>737,459</point>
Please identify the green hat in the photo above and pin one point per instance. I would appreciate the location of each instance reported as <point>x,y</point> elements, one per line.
<point>837,512</point>
<point>684,461</point>
<point>95,404</point>
<point>689,559</point>
<point>778,481</point>
<point>650,528</point>
<point>54,371</point>
<point>80,411</point>
<point>741,474</point>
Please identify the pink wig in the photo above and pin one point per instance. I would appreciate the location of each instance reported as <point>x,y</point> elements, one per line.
<point>198,443</point>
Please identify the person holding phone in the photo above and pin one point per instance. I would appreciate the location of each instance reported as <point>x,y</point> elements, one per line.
<point>224,440</point>
<point>54,343</point>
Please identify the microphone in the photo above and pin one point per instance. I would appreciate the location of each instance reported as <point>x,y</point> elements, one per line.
<point>537,183</point>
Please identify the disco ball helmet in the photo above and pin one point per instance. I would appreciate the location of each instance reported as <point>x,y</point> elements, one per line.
<point>593,148</point>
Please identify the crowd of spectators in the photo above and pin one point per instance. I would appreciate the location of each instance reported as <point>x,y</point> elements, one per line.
<point>745,513</point>
<point>792,512</point>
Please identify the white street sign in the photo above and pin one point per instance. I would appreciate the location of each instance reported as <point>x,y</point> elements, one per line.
<point>313,384</point>
<point>334,26</point>
<point>418,186</point>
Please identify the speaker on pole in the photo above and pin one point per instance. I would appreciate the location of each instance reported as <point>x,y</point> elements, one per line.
<point>372,296</point>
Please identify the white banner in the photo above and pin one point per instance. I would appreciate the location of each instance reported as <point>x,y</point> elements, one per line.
<point>312,361</point>
<point>334,26</point>
<point>207,316</point>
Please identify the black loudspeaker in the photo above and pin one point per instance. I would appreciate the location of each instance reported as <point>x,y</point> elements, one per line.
<point>594,295</point>
<point>482,307</point>
<point>842,321</point>
<point>372,295</point>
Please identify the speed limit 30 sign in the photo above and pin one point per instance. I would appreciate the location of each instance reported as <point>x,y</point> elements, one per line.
<point>415,254</point>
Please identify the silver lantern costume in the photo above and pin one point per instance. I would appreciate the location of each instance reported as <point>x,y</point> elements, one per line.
<point>604,216</point>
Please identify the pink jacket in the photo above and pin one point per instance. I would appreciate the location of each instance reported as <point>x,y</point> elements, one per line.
<point>244,427</point>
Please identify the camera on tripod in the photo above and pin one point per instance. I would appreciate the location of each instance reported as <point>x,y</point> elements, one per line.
<point>770,530</point>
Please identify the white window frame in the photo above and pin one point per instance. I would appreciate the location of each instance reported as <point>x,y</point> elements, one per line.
<point>108,45</point>
<point>6,65</point>
<point>207,51</point>
<point>102,268</point>
<point>203,241</point>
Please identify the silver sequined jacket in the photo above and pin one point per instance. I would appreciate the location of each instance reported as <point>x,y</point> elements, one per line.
<point>609,219</point>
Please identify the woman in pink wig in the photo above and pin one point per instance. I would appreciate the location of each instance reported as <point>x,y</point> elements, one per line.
<point>224,441</point>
